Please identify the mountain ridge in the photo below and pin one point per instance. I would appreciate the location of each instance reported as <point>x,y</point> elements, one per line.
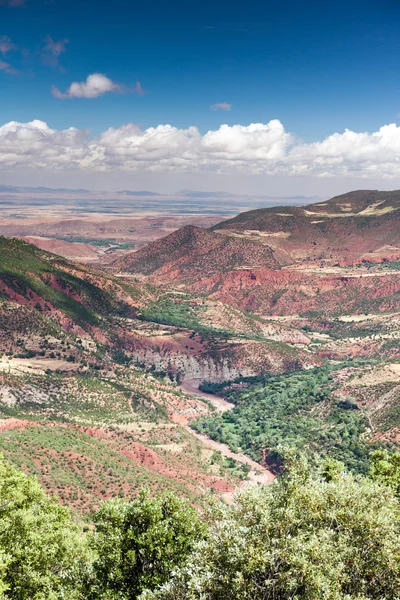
<point>283,259</point>
<point>192,249</point>
<point>344,230</point>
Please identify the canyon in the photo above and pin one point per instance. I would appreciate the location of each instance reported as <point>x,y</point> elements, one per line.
<point>108,327</point>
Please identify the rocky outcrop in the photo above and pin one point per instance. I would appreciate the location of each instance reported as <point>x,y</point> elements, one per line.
<point>191,367</point>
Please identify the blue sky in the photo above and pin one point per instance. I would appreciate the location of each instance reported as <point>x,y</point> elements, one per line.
<point>317,67</point>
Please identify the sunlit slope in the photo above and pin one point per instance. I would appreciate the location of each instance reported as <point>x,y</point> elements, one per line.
<point>348,228</point>
<point>37,278</point>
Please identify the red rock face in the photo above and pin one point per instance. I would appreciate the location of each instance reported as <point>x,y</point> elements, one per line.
<point>9,424</point>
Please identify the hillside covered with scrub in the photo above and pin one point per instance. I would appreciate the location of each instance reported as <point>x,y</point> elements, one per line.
<point>314,533</point>
<point>178,364</point>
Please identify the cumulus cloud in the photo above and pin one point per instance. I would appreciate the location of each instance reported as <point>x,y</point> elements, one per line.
<point>256,148</point>
<point>7,68</point>
<point>35,145</point>
<point>364,154</point>
<point>95,85</point>
<point>221,106</point>
<point>6,44</point>
<point>52,51</point>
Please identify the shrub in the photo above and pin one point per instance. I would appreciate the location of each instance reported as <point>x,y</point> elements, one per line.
<point>42,555</point>
<point>305,537</point>
<point>139,543</point>
<point>385,468</point>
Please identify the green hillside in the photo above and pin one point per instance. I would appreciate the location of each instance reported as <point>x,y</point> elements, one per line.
<point>48,281</point>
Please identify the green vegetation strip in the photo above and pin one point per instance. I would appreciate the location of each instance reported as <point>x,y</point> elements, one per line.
<point>295,410</point>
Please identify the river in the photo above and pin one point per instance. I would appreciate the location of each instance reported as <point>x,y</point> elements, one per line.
<point>258,473</point>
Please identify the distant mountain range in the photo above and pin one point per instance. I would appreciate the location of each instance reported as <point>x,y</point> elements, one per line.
<point>10,189</point>
<point>41,190</point>
<point>139,193</point>
<point>198,194</point>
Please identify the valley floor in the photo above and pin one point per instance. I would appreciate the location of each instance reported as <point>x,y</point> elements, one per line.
<point>257,473</point>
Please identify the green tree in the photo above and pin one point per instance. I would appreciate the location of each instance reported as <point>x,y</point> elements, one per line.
<point>306,537</point>
<point>42,554</point>
<point>138,544</point>
<point>385,469</point>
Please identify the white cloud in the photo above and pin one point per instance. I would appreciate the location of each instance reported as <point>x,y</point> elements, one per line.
<point>221,106</point>
<point>35,145</point>
<point>95,85</point>
<point>7,68</point>
<point>254,143</point>
<point>6,44</point>
<point>259,148</point>
<point>363,154</point>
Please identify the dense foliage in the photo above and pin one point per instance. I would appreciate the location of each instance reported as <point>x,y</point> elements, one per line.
<point>296,410</point>
<point>314,533</point>
<point>305,537</point>
<point>45,556</point>
<point>139,543</point>
<point>42,554</point>
<point>385,468</point>
<point>168,311</point>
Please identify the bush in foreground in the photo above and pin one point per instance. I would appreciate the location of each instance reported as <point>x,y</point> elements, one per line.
<point>307,537</point>
<point>139,543</point>
<point>385,468</point>
<point>42,554</point>
<point>326,535</point>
